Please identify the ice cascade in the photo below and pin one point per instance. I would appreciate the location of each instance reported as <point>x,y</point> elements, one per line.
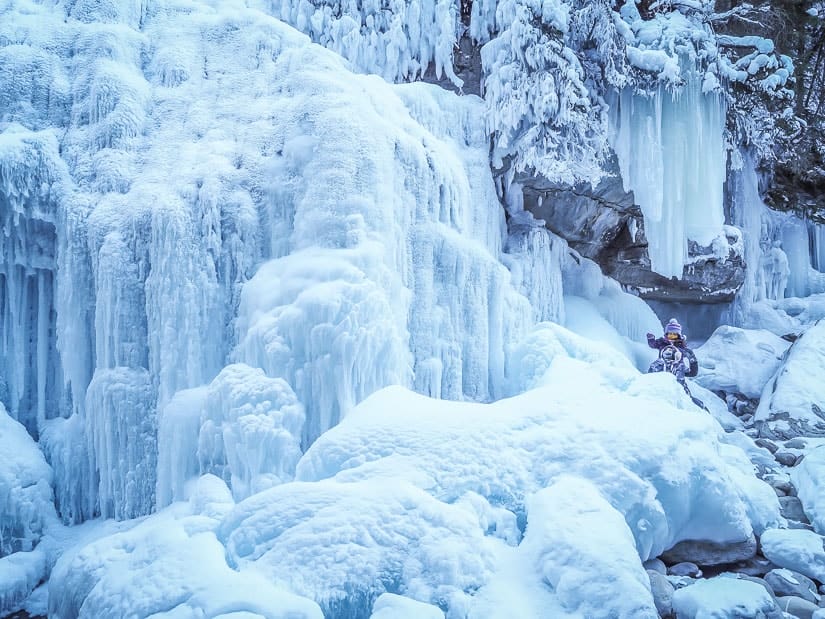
<point>670,146</point>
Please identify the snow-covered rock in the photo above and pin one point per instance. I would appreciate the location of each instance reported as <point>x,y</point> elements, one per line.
<point>737,360</point>
<point>793,401</point>
<point>796,549</point>
<point>787,582</point>
<point>169,565</point>
<point>725,597</point>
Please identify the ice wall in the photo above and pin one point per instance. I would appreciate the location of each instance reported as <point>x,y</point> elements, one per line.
<point>670,146</point>
<point>781,250</point>
<point>31,173</point>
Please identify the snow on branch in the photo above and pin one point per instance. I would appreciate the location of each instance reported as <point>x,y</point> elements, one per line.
<point>540,110</point>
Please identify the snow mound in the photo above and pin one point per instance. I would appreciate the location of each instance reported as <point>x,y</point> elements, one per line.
<point>169,565</point>
<point>574,533</point>
<point>724,597</point>
<point>809,479</point>
<point>25,492</point>
<point>391,606</point>
<point>793,403</point>
<point>740,361</point>
<point>344,544</point>
<point>658,463</point>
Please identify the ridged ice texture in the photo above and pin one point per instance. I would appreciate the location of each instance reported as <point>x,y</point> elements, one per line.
<point>670,147</point>
<point>31,175</point>
<point>393,242</point>
<point>244,428</point>
<point>193,144</point>
<point>397,39</point>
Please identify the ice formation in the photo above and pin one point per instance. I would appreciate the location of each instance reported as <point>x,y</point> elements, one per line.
<point>670,147</point>
<point>218,241</point>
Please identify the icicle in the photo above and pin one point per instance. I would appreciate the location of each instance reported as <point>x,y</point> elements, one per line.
<point>671,155</point>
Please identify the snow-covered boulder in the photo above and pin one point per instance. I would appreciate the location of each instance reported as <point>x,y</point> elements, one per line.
<point>169,565</point>
<point>739,361</point>
<point>793,401</point>
<point>809,479</point>
<point>725,597</point>
<point>796,549</point>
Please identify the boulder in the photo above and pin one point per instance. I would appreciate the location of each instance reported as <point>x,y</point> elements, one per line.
<point>796,549</point>
<point>710,553</point>
<point>797,607</point>
<point>662,591</point>
<point>657,565</point>
<point>791,508</point>
<point>785,458</point>
<point>787,582</point>
<point>685,568</point>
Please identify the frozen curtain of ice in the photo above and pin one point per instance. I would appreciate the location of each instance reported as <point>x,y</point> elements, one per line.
<point>183,189</point>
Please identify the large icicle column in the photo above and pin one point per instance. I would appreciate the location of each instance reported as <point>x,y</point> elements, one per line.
<point>670,146</point>
<point>30,181</point>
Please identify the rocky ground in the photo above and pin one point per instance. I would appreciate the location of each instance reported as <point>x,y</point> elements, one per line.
<point>797,593</point>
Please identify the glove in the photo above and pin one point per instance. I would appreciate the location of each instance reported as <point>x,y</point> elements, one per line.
<point>650,336</point>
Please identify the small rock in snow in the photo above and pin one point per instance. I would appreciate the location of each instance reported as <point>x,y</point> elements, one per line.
<point>767,444</point>
<point>797,607</point>
<point>662,591</point>
<point>757,566</point>
<point>710,553</point>
<point>657,565</point>
<point>785,458</point>
<point>796,443</point>
<point>791,508</point>
<point>685,568</point>
<point>787,582</point>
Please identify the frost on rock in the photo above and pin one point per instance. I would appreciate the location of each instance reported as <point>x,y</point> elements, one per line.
<point>793,401</point>
<point>244,428</point>
<point>169,565</point>
<point>809,480</point>
<point>796,549</point>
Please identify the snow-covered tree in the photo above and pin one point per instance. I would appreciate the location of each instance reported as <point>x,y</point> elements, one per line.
<point>540,111</point>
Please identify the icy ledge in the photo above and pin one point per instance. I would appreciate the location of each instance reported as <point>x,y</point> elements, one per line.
<point>468,507</point>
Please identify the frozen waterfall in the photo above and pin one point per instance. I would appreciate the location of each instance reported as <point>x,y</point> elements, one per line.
<point>670,146</point>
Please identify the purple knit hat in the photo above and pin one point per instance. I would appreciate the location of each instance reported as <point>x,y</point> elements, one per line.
<point>673,326</point>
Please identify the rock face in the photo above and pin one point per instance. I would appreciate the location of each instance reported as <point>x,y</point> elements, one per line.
<point>603,223</point>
